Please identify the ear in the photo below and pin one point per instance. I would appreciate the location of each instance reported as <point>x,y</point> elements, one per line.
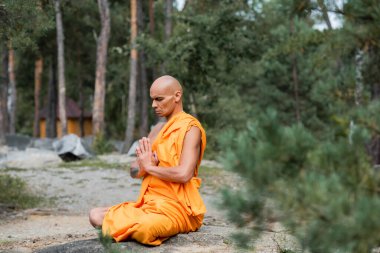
<point>178,95</point>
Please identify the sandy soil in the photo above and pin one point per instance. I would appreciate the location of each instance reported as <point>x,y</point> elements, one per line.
<point>74,191</point>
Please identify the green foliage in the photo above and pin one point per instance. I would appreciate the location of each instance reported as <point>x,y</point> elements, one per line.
<point>102,145</point>
<point>108,244</point>
<point>324,187</point>
<point>26,22</point>
<point>15,192</point>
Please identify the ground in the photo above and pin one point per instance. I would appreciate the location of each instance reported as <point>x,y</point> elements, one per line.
<point>71,189</point>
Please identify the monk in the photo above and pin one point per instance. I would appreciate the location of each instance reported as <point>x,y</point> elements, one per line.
<point>169,202</point>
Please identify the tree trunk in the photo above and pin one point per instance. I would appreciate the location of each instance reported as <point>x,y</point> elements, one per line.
<point>51,114</point>
<point>38,66</point>
<point>359,61</point>
<point>81,106</point>
<point>144,97</point>
<point>142,77</point>
<point>295,77</point>
<point>192,105</point>
<point>151,31</point>
<point>61,69</point>
<point>132,80</point>
<point>151,17</point>
<point>168,18</point>
<point>4,95</point>
<point>101,62</point>
<point>168,26</point>
<point>325,13</point>
<point>13,90</point>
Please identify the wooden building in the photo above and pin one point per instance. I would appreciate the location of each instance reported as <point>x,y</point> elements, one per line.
<point>73,114</point>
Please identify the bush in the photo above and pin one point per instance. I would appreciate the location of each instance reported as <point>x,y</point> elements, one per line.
<point>322,187</point>
<point>14,192</point>
<point>101,145</point>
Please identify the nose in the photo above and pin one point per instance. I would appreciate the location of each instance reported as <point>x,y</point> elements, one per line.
<point>154,105</point>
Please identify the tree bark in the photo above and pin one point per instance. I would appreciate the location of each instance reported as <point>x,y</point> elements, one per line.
<point>132,80</point>
<point>154,70</point>
<point>38,66</point>
<point>51,114</point>
<point>325,13</point>
<point>168,18</point>
<point>193,105</point>
<point>4,95</point>
<point>81,94</point>
<point>61,69</point>
<point>101,63</point>
<point>142,77</point>
<point>144,97</point>
<point>151,17</point>
<point>295,77</point>
<point>13,90</point>
<point>359,61</point>
<point>168,26</point>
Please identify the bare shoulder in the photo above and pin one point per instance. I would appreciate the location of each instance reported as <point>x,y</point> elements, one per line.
<point>193,136</point>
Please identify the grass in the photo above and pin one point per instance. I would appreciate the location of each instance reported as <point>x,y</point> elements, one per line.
<point>108,244</point>
<point>15,193</point>
<point>205,171</point>
<point>8,169</point>
<point>93,163</point>
<point>212,177</point>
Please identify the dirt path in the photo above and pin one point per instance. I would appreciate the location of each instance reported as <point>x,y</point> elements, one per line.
<point>76,189</point>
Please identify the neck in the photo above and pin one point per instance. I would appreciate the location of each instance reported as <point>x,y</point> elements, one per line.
<point>176,111</point>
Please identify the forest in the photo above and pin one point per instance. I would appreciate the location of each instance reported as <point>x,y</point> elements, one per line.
<point>288,92</point>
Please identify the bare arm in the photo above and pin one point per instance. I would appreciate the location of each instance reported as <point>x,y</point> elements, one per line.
<point>188,161</point>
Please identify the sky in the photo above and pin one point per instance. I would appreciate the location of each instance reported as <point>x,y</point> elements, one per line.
<point>180,4</point>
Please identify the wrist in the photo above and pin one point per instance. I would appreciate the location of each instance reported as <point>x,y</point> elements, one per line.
<point>148,168</point>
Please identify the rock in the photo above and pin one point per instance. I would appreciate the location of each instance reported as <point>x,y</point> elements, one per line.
<point>20,142</point>
<point>71,148</point>
<point>44,144</point>
<point>132,149</point>
<point>84,246</point>
<point>118,145</point>
<point>30,158</point>
<point>207,239</point>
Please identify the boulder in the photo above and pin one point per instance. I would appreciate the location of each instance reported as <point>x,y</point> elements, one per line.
<point>44,144</point>
<point>71,148</point>
<point>132,149</point>
<point>84,246</point>
<point>30,158</point>
<point>18,141</point>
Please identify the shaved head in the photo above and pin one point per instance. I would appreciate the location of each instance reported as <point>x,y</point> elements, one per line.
<point>166,93</point>
<point>167,83</point>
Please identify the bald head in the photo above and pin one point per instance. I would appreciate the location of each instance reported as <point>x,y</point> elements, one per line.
<point>167,83</point>
<point>166,93</point>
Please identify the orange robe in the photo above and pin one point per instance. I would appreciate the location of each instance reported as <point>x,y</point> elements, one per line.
<point>163,208</point>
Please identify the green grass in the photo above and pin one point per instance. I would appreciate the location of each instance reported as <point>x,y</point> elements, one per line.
<point>93,163</point>
<point>209,171</point>
<point>13,169</point>
<point>211,177</point>
<point>14,192</point>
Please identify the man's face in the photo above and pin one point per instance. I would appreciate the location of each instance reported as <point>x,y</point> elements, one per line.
<point>163,101</point>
